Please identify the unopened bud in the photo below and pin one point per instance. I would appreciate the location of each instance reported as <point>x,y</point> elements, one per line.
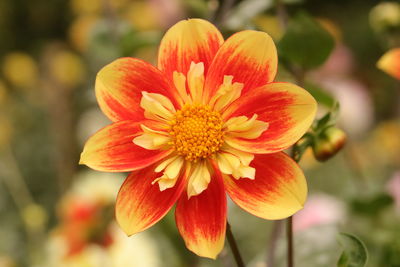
<point>328,143</point>
<point>385,16</point>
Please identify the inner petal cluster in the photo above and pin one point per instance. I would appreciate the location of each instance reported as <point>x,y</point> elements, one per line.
<point>196,132</point>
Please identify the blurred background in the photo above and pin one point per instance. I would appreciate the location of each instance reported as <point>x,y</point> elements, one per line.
<point>54,212</point>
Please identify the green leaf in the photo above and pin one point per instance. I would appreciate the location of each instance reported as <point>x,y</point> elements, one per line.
<point>328,120</point>
<point>372,205</point>
<point>355,253</point>
<point>320,95</point>
<point>305,42</point>
<point>300,147</point>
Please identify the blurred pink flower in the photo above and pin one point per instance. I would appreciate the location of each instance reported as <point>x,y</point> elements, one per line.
<point>319,209</point>
<point>393,188</point>
<point>356,109</point>
<point>339,63</point>
<point>169,11</point>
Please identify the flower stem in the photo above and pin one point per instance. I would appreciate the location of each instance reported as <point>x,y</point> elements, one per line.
<point>19,191</point>
<point>354,163</point>
<point>289,227</point>
<point>281,13</point>
<point>276,232</point>
<point>299,74</point>
<point>223,9</point>
<point>290,247</point>
<point>233,245</point>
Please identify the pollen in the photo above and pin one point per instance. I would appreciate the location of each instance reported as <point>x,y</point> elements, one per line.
<point>196,132</point>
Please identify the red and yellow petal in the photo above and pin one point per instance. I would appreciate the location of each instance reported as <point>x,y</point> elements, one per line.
<point>192,40</point>
<point>112,149</point>
<point>288,109</point>
<point>390,63</point>
<point>278,191</point>
<point>119,87</point>
<point>141,204</point>
<point>201,219</point>
<point>249,56</point>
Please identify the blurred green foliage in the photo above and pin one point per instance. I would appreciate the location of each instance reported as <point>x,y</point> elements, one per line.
<point>48,119</point>
<point>305,43</point>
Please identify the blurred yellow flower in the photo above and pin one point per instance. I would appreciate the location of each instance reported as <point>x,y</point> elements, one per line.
<point>385,142</point>
<point>20,69</point>
<point>79,31</point>
<point>67,68</point>
<point>86,6</point>
<point>141,16</point>
<point>35,216</point>
<point>96,6</point>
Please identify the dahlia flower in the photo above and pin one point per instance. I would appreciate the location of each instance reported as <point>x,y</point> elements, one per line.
<point>207,120</point>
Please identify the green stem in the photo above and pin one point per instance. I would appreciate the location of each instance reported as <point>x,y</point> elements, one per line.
<point>275,234</point>
<point>223,9</point>
<point>281,13</point>
<point>21,195</point>
<point>289,227</point>
<point>233,245</point>
<point>290,247</point>
<point>353,162</point>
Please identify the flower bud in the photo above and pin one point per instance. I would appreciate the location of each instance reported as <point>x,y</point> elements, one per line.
<point>385,16</point>
<point>328,143</point>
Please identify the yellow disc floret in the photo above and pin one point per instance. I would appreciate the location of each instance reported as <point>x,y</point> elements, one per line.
<point>196,132</point>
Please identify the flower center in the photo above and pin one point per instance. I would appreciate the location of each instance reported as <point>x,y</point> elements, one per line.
<point>196,132</point>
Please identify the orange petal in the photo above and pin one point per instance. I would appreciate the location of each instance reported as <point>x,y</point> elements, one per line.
<point>112,149</point>
<point>193,40</point>
<point>288,109</point>
<point>390,63</point>
<point>249,56</point>
<point>201,219</point>
<point>141,204</point>
<point>278,191</point>
<point>119,87</point>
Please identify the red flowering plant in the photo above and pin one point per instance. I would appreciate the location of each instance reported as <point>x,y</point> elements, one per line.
<point>83,222</point>
<point>208,120</point>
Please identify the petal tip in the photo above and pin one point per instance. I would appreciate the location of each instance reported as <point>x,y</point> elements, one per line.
<point>125,226</point>
<point>127,231</point>
<point>212,256</point>
<point>82,158</point>
<point>211,253</point>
